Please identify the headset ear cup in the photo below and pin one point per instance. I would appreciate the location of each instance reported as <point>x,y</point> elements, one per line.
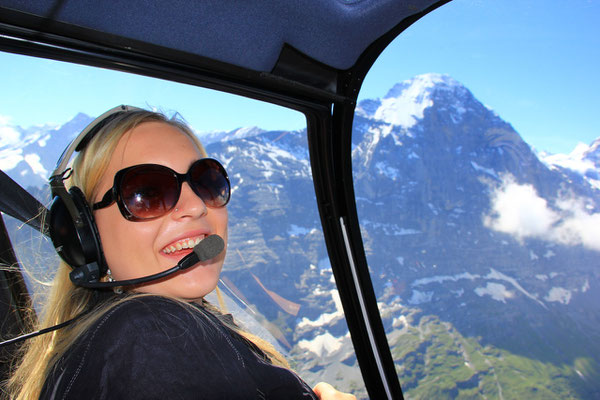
<point>76,245</point>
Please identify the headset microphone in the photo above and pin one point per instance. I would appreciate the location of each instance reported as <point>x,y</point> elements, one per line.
<point>210,247</point>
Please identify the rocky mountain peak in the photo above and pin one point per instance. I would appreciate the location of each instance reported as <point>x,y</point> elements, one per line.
<point>593,153</point>
<point>424,83</point>
<point>405,103</point>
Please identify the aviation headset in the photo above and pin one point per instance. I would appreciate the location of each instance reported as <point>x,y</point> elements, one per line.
<point>72,228</point>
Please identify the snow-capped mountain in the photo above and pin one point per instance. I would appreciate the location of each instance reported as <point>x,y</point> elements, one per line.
<point>30,155</point>
<point>221,136</point>
<point>584,160</point>
<point>476,230</point>
<point>405,103</point>
<point>484,258</point>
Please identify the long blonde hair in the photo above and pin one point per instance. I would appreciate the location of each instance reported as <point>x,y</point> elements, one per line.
<point>66,301</point>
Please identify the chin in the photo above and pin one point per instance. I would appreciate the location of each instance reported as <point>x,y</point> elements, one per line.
<point>195,283</point>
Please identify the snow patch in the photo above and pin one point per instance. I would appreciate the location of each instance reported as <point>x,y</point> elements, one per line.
<point>296,231</point>
<point>322,345</point>
<point>443,278</point>
<point>558,294</point>
<point>34,162</point>
<point>9,158</point>
<point>400,322</point>
<point>586,286</point>
<point>420,297</point>
<point>500,276</point>
<point>387,170</point>
<point>407,101</point>
<point>488,171</point>
<point>549,254</point>
<point>496,291</point>
<point>43,141</point>
<point>325,318</point>
<point>9,136</point>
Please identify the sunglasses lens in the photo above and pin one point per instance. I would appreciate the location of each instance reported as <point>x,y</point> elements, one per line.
<point>210,183</point>
<point>149,192</point>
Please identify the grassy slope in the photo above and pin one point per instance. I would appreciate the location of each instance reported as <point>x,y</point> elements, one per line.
<point>435,361</point>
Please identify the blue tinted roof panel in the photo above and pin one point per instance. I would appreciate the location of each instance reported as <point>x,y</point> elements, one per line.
<point>249,34</point>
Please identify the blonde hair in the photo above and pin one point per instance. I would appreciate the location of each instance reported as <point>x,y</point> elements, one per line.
<point>66,301</point>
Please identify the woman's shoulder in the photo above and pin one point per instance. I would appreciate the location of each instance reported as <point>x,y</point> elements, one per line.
<point>139,308</point>
<point>148,316</point>
<point>147,336</point>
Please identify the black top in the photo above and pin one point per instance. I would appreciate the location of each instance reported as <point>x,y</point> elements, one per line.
<point>153,348</point>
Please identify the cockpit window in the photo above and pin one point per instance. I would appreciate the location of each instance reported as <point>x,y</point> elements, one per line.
<point>277,279</point>
<point>478,207</point>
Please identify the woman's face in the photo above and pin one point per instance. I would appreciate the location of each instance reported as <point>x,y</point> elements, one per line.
<point>136,249</point>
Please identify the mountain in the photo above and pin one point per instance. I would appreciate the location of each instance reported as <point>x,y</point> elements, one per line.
<point>476,230</point>
<point>31,154</point>
<point>484,256</point>
<point>222,136</point>
<point>583,160</point>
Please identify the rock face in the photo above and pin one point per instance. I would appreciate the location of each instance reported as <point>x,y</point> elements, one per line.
<point>485,259</point>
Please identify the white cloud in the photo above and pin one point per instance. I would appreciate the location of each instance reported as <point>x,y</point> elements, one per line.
<point>519,211</point>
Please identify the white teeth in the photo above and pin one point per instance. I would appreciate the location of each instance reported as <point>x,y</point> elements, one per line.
<point>183,244</point>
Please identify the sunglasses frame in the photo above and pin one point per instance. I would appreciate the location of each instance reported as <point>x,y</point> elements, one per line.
<point>114,193</point>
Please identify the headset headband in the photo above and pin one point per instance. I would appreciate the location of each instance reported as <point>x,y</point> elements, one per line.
<point>86,135</point>
<point>61,172</point>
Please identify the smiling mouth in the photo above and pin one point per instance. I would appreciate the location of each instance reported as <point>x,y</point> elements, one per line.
<point>182,244</point>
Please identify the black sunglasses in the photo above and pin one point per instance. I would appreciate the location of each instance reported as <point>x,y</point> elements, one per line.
<point>148,191</point>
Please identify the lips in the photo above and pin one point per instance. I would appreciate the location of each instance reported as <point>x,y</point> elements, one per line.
<point>182,245</point>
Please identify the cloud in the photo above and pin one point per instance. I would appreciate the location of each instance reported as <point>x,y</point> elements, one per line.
<point>519,211</point>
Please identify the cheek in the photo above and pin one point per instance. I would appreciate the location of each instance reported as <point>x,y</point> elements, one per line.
<point>218,220</point>
<point>127,245</point>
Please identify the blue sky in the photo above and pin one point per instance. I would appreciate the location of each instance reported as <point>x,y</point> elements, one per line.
<point>534,62</point>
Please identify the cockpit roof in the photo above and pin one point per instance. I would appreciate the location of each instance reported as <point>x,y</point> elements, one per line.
<point>248,34</point>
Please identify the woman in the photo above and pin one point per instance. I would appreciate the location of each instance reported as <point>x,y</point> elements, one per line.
<point>158,339</point>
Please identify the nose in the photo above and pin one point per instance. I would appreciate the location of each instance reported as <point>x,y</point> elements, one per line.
<point>189,204</point>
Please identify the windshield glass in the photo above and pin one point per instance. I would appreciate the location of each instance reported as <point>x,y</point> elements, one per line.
<point>476,173</point>
<point>277,280</point>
